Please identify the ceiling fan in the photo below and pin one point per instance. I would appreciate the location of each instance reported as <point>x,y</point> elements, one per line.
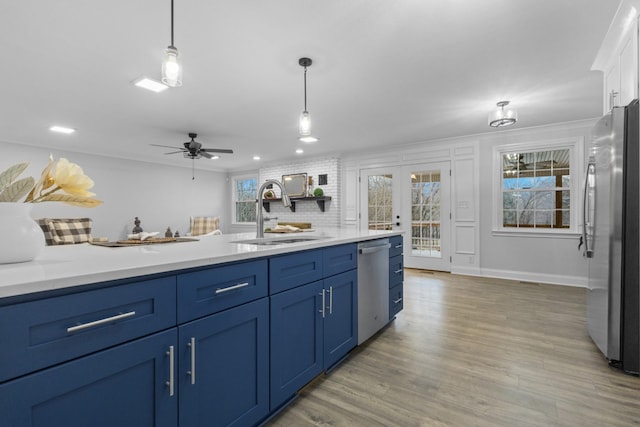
<point>193,149</point>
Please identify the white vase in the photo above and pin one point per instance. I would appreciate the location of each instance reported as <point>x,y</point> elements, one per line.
<point>22,238</point>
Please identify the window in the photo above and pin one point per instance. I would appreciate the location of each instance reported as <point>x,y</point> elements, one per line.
<point>244,190</point>
<point>537,186</point>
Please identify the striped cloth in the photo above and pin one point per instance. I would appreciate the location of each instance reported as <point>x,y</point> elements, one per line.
<point>204,224</point>
<point>65,231</point>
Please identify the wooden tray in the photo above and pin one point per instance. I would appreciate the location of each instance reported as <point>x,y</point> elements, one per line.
<point>151,241</point>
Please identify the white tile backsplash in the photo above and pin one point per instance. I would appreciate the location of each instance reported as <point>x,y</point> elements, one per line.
<point>308,211</point>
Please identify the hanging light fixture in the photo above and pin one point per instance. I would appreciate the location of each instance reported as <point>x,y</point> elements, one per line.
<point>305,119</point>
<point>502,117</point>
<point>171,69</point>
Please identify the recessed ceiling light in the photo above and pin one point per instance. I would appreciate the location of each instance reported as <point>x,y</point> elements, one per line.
<point>214,157</point>
<point>62,129</point>
<point>150,84</point>
<point>299,151</point>
<point>256,157</point>
<point>308,139</point>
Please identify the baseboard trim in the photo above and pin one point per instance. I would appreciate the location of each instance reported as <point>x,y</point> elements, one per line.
<point>552,279</point>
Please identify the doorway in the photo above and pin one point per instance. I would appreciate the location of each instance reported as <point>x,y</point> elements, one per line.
<point>414,199</point>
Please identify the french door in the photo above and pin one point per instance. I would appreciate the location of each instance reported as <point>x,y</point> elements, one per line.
<point>416,200</point>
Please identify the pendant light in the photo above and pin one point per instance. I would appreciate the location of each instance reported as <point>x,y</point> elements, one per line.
<point>502,117</point>
<point>171,68</point>
<point>305,119</point>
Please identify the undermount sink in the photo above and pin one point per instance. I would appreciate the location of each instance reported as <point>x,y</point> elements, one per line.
<point>279,240</point>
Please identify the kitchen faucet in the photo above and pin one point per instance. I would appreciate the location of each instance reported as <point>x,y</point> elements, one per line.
<point>259,218</point>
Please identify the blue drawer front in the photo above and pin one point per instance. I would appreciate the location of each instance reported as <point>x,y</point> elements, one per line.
<point>396,246</point>
<point>395,300</point>
<point>338,259</point>
<point>46,332</point>
<point>292,270</point>
<point>396,272</point>
<point>208,291</point>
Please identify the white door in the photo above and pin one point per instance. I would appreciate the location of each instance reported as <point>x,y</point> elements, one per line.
<point>428,215</point>
<point>416,200</point>
<point>380,199</point>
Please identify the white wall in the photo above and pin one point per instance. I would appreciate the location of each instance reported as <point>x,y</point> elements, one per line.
<point>536,259</point>
<point>159,195</point>
<point>551,260</point>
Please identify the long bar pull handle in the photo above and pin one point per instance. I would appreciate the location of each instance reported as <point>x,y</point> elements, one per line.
<point>330,299</point>
<point>322,309</point>
<point>171,381</point>
<point>101,321</point>
<point>372,249</point>
<point>398,300</point>
<point>231,288</point>
<point>192,372</point>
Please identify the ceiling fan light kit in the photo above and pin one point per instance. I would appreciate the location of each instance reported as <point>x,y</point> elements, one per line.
<point>171,68</point>
<point>502,117</point>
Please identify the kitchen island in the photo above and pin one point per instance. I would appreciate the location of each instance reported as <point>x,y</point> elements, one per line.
<point>219,331</point>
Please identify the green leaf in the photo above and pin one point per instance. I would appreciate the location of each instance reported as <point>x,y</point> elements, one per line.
<point>8,176</point>
<point>85,202</point>
<point>16,191</point>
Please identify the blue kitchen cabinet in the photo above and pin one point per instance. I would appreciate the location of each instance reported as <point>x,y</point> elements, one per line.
<point>130,385</point>
<point>340,316</point>
<point>296,340</point>
<point>224,367</point>
<point>314,325</point>
<point>396,276</point>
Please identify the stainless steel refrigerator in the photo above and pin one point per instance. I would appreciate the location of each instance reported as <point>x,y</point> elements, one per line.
<point>611,237</point>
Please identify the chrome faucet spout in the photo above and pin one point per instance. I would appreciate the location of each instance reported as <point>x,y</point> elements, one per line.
<point>259,218</point>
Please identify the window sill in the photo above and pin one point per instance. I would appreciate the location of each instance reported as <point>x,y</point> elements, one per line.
<point>559,234</point>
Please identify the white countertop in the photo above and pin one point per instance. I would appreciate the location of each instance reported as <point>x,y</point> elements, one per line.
<point>72,265</point>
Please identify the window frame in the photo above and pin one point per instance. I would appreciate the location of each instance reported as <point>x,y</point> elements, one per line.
<point>575,145</point>
<point>235,200</point>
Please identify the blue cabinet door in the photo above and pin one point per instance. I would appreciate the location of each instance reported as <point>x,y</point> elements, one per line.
<point>122,386</point>
<point>296,340</point>
<point>224,367</point>
<point>341,316</point>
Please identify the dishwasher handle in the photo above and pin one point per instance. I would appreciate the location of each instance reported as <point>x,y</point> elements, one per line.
<point>372,249</point>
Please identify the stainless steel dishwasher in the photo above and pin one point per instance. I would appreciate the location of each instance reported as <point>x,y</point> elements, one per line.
<point>373,287</point>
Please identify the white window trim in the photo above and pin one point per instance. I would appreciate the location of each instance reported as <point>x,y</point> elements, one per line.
<point>576,166</point>
<point>234,197</point>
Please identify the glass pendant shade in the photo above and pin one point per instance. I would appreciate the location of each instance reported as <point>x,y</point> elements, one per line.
<point>171,69</point>
<point>305,124</point>
<point>502,117</point>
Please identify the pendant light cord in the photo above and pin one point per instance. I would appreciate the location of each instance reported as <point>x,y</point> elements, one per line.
<point>172,25</point>
<point>305,87</point>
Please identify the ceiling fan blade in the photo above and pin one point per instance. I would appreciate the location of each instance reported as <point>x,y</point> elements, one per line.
<point>205,154</point>
<point>174,152</point>
<point>217,150</point>
<point>167,146</point>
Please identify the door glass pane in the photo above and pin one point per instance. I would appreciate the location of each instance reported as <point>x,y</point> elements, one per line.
<point>380,202</point>
<point>425,214</point>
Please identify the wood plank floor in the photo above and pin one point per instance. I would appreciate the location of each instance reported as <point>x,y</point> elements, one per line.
<point>469,351</point>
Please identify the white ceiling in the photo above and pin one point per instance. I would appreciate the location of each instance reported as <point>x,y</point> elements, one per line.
<point>385,72</point>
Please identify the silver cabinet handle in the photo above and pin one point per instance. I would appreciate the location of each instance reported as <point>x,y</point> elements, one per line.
<point>170,383</point>
<point>398,246</point>
<point>100,322</point>
<point>231,288</point>
<point>192,372</point>
<point>398,271</point>
<point>322,309</point>
<point>397,301</point>
<point>330,299</point>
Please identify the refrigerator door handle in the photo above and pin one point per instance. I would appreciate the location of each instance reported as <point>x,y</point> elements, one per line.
<point>588,252</point>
